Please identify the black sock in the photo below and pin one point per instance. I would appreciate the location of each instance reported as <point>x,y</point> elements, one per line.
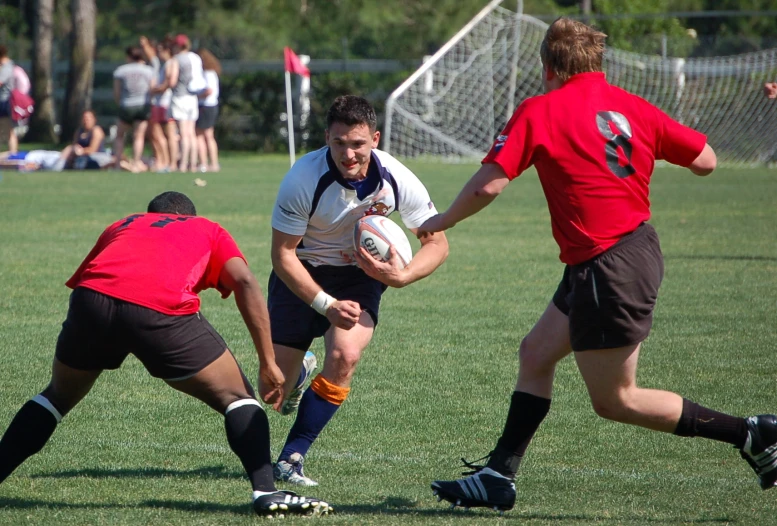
<point>248,433</point>
<point>524,417</point>
<point>696,420</point>
<point>29,431</point>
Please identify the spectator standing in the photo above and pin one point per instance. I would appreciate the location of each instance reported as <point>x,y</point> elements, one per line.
<point>163,129</point>
<point>22,85</point>
<point>209,112</point>
<point>184,107</point>
<point>7,83</point>
<point>132,83</point>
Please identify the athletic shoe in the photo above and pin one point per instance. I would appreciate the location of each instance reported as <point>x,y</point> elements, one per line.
<point>484,489</point>
<point>292,402</point>
<point>282,502</point>
<point>760,449</point>
<point>291,471</point>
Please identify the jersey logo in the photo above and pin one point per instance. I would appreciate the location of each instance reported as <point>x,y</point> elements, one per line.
<point>606,121</point>
<point>378,209</point>
<point>500,142</point>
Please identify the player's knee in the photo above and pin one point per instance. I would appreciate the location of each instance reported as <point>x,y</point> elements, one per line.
<point>532,357</point>
<point>612,408</point>
<point>344,360</point>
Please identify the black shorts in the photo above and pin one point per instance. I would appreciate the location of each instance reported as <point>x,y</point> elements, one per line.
<point>100,331</point>
<point>295,324</point>
<point>609,299</point>
<point>207,117</point>
<point>132,114</point>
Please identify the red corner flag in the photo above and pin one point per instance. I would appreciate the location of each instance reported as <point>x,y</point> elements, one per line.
<point>293,64</point>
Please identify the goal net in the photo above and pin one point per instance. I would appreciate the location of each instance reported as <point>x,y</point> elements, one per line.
<point>452,108</point>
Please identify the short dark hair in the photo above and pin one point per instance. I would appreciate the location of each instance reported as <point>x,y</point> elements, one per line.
<point>3,51</point>
<point>135,53</point>
<point>352,110</point>
<point>172,203</point>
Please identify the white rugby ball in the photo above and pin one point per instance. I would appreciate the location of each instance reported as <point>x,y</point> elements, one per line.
<point>377,233</point>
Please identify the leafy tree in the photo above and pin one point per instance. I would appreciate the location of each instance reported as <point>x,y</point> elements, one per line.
<point>643,35</point>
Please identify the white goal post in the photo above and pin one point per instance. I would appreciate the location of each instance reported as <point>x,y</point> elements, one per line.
<point>455,104</point>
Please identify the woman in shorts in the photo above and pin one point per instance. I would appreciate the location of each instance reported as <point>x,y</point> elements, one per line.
<point>132,83</point>
<point>209,112</point>
<point>163,133</point>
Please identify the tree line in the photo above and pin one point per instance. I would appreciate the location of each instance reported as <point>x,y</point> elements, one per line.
<point>259,29</point>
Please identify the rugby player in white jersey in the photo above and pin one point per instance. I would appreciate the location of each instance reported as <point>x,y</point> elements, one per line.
<point>319,286</point>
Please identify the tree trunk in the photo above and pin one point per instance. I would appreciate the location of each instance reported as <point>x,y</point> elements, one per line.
<point>585,10</point>
<point>78,96</point>
<point>42,120</point>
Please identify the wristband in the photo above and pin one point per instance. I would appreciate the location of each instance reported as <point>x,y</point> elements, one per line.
<point>322,302</point>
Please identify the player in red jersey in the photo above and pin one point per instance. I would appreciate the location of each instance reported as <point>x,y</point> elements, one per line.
<point>594,147</point>
<point>136,292</point>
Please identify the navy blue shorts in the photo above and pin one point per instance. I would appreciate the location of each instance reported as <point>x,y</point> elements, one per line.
<point>295,324</point>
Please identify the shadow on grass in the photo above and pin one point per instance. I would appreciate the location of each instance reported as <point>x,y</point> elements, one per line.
<point>391,506</point>
<point>723,257</point>
<point>177,505</point>
<point>213,472</point>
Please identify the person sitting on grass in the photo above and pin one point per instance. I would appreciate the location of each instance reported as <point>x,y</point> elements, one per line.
<point>88,139</point>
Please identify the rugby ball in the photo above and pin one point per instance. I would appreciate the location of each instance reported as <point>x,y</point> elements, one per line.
<point>377,233</point>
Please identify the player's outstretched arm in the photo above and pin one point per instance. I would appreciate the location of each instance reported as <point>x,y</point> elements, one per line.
<point>237,277</point>
<point>487,183</point>
<point>705,163</point>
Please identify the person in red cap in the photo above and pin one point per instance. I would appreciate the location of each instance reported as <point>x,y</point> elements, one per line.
<point>186,80</point>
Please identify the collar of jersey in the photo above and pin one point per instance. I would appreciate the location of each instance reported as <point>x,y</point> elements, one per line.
<point>372,183</point>
<point>590,76</point>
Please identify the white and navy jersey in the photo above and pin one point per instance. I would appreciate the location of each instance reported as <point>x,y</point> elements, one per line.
<point>317,203</point>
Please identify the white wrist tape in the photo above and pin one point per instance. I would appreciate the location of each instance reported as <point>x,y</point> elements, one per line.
<point>322,302</point>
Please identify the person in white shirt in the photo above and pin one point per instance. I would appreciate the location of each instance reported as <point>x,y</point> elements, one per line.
<point>320,286</point>
<point>186,80</point>
<point>209,112</point>
<point>163,127</point>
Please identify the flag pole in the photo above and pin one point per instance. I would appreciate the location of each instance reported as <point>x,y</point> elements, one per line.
<point>290,120</point>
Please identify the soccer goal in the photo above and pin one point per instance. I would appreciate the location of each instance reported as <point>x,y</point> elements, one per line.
<point>455,104</point>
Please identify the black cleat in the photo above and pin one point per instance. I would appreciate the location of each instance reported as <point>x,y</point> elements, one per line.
<point>760,449</point>
<point>279,503</point>
<point>485,488</point>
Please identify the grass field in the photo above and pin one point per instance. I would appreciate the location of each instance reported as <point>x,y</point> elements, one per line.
<point>435,382</point>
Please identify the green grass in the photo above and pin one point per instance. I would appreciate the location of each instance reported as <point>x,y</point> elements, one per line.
<point>433,385</point>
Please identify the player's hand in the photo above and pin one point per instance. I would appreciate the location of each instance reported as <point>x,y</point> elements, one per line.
<point>271,385</point>
<point>436,223</point>
<point>78,149</point>
<point>143,40</point>
<point>344,314</point>
<point>391,272</point>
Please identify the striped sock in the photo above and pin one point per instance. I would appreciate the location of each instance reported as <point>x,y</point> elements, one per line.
<point>29,431</point>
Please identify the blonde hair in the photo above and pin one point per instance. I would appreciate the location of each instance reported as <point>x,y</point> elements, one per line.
<point>571,47</point>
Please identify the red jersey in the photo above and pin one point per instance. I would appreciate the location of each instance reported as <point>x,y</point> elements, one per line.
<point>594,147</point>
<point>159,261</point>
